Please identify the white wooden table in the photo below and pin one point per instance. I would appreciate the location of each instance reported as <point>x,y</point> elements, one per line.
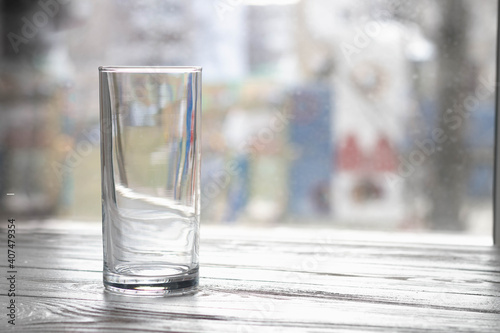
<point>259,280</point>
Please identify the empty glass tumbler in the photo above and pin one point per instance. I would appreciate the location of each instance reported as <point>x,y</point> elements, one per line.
<point>150,169</point>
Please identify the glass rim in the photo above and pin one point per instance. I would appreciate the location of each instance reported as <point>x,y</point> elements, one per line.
<point>150,69</point>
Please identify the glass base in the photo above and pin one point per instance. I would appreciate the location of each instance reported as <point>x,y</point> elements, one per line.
<point>145,281</point>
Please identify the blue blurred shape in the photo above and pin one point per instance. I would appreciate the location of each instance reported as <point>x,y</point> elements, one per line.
<point>311,140</point>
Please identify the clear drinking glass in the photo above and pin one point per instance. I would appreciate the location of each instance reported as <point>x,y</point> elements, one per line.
<point>150,168</point>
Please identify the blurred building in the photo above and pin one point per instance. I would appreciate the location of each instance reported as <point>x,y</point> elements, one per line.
<point>353,83</point>
<point>35,114</point>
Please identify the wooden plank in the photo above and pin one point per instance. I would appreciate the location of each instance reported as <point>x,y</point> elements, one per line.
<point>240,312</point>
<point>264,284</point>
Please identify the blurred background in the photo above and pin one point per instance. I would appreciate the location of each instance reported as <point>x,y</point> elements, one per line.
<point>352,114</point>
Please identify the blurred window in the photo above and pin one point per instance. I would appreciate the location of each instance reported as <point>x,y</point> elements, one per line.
<point>357,114</point>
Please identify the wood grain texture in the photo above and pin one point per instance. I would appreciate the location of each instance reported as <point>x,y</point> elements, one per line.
<point>261,281</point>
